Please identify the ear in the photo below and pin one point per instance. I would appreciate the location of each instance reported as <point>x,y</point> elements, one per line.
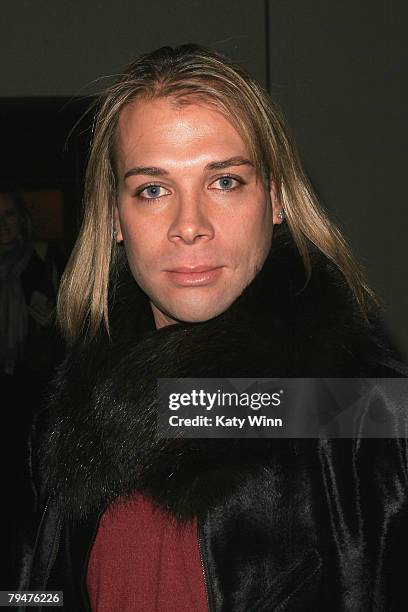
<point>276,204</point>
<point>116,224</point>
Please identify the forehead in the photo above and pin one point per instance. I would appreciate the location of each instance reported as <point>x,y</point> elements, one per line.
<point>161,128</point>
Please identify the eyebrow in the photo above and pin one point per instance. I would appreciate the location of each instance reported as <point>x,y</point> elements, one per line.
<point>216,165</point>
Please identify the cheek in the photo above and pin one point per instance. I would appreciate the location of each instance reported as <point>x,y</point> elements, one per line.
<point>142,243</point>
<point>253,227</point>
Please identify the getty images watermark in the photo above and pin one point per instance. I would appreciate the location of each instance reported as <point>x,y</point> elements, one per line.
<point>282,407</point>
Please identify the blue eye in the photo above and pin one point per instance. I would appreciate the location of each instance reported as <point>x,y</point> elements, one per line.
<point>226,183</point>
<point>152,192</point>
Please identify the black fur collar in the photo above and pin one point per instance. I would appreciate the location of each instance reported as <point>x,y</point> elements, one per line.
<point>97,435</point>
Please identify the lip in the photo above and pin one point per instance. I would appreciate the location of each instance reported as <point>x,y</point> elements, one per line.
<point>189,269</point>
<point>195,275</point>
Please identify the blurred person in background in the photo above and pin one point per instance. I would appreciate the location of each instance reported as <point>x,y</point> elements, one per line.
<point>29,349</point>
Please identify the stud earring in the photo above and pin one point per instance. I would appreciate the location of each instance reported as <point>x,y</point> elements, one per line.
<point>281,215</point>
<point>114,237</point>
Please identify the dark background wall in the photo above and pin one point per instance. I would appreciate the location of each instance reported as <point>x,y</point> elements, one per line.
<point>338,71</point>
<point>71,48</point>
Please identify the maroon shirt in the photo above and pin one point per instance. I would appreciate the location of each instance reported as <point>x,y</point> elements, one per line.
<point>142,559</point>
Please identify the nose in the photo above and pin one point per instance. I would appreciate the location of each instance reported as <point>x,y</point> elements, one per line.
<point>191,223</point>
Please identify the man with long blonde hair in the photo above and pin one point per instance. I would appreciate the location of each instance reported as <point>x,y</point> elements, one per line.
<point>204,253</point>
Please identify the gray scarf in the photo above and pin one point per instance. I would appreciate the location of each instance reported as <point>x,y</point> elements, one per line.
<point>13,307</point>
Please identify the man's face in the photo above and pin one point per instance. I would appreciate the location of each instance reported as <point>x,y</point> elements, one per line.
<point>180,208</point>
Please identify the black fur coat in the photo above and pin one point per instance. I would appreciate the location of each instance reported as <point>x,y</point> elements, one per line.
<point>284,524</point>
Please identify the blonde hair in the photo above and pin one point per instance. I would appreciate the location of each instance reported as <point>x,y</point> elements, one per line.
<point>187,73</point>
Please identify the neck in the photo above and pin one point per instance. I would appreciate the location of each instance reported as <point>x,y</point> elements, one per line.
<point>160,318</point>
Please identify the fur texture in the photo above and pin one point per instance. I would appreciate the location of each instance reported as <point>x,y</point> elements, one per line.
<point>96,438</point>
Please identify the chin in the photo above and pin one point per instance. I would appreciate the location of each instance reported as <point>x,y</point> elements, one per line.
<point>196,314</point>
<point>197,317</point>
